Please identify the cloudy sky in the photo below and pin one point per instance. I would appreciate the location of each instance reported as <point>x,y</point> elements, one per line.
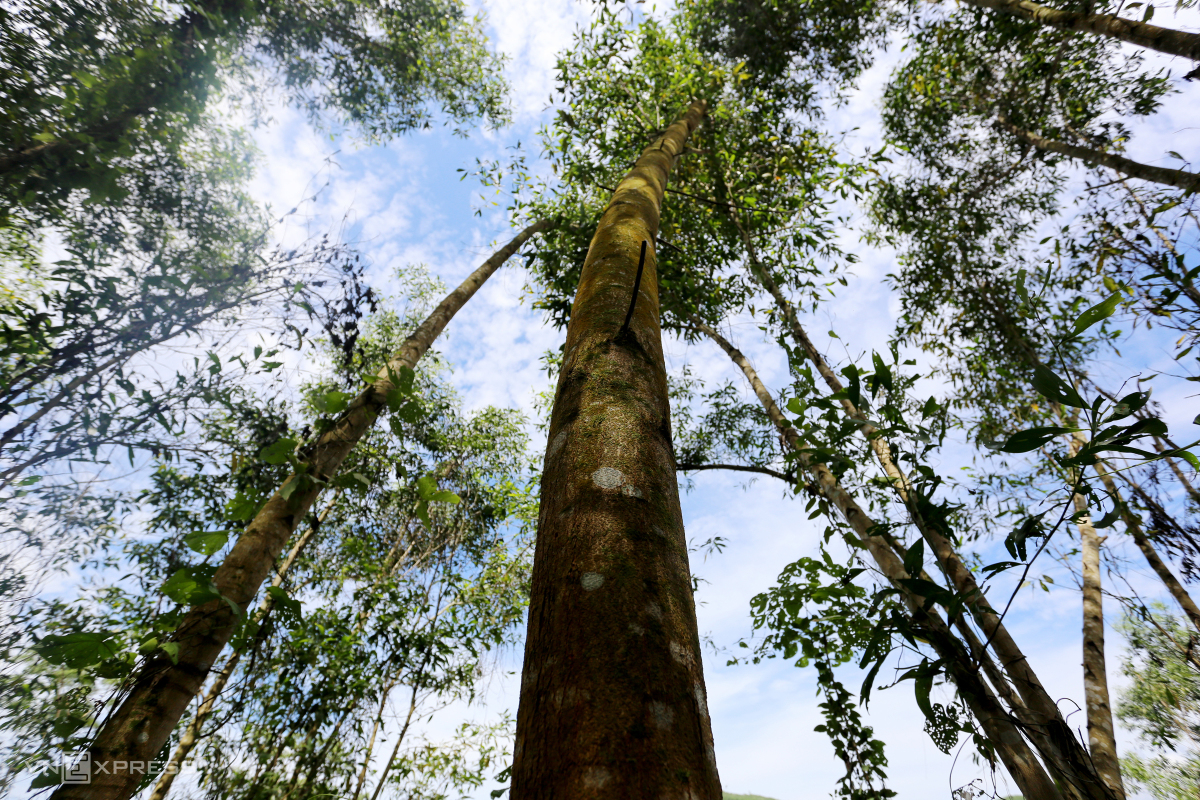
<point>404,204</point>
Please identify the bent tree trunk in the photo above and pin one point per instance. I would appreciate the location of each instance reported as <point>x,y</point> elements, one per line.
<point>1143,34</point>
<point>612,691</point>
<point>161,690</point>
<point>1014,752</point>
<point>1178,178</point>
<point>192,735</point>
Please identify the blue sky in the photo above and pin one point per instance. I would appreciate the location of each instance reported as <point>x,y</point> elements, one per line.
<point>403,203</point>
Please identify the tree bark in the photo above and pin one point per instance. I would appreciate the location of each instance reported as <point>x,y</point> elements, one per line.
<point>1013,750</point>
<point>1101,735</point>
<point>161,690</point>
<point>1142,34</point>
<point>192,735</point>
<point>612,698</point>
<point>1178,178</point>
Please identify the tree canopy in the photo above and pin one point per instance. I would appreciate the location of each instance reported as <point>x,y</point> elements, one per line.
<point>262,521</point>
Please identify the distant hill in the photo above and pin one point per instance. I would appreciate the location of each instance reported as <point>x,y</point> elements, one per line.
<point>729,796</point>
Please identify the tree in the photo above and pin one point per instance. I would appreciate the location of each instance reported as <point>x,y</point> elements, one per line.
<point>1161,704</point>
<point>165,683</point>
<point>133,79</point>
<point>611,611</point>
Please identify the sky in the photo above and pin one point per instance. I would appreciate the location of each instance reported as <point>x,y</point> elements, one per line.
<point>404,203</point>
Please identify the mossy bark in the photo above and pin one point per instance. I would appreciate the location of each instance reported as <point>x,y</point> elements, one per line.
<point>161,690</point>
<point>613,702</point>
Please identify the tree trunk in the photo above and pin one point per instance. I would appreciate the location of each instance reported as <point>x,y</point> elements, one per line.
<point>1178,178</point>
<point>161,690</point>
<point>1191,490</point>
<point>370,749</point>
<point>412,707</point>
<point>1050,732</point>
<point>1134,527</point>
<point>1164,40</point>
<point>1014,752</point>
<point>192,734</point>
<point>612,697</point>
<point>1101,735</point>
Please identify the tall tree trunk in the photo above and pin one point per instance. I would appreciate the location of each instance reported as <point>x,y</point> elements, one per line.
<point>1013,750</point>
<point>317,760</point>
<point>192,735</point>
<point>1191,490</point>
<point>412,707</point>
<point>161,690</point>
<point>1101,735</point>
<point>370,748</point>
<point>1178,178</point>
<point>1142,34</point>
<point>612,695</point>
<point>1046,726</point>
<point>1134,527</point>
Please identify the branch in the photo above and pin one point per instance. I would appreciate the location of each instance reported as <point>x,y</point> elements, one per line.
<point>783,476</point>
<point>1178,178</point>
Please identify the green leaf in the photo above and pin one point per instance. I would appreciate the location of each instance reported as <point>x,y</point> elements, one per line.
<point>991,569</point>
<point>280,452</point>
<point>289,488</point>
<point>51,776</point>
<point>355,481</point>
<point>794,406</point>
<point>409,412</point>
<point>206,542</point>
<point>1109,518</point>
<point>1189,458</point>
<point>1052,387</point>
<point>445,497</point>
<point>1101,311</point>
<point>914,559</point>
<point>287,608</point>
<point>191,586</point>
<point>854,389</point>
<point>1022,292</point>
<point>241,507</point>
<point>172,651</point>
<point>924,684</point>
<point>426,486</point>
<point>402,379</point>
<point>78,650</point>
<point>883,373</point>
<point>1129,404</point>
<point>332,402</point>
<point>1032,439</point>
<point>1015,541</point>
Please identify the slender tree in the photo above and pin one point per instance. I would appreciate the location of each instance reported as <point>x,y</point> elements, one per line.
<point>612,692</point>
<point>163,687</point>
